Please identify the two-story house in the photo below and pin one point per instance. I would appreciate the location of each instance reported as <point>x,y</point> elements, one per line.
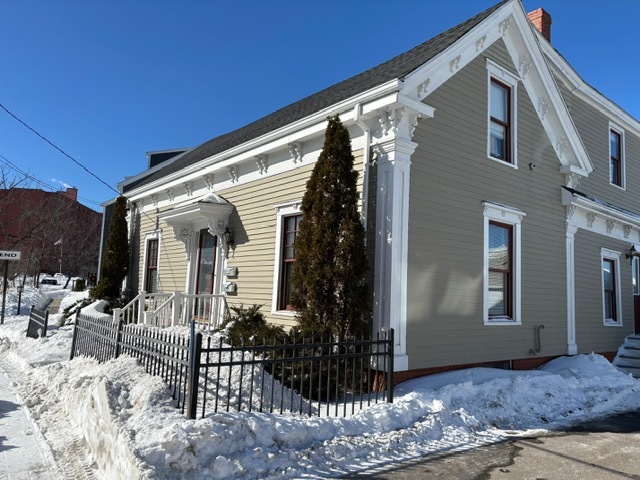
<point>497,192</point>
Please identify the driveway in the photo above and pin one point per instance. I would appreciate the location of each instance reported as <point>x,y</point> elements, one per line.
<point>607,449</point>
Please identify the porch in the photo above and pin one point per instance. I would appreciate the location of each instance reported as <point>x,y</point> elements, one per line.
<point>165,309</point>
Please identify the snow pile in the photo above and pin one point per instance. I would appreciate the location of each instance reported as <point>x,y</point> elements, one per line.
<point>116,421</point>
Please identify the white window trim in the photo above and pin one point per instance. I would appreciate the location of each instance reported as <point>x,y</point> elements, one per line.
<point>156,235</point>
<point>511,216</point>
<point>607,254</point>
<point>505,76</point>
<point>619,131</point>
<point>282,210</point>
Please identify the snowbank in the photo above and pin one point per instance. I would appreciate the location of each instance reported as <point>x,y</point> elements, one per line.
<point>116,421</point>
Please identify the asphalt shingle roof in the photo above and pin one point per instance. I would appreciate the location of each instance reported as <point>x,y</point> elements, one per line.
<point>396,68</point>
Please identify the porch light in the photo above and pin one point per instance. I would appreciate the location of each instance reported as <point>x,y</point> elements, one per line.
<point>634,251</point>
<point>228,236</point>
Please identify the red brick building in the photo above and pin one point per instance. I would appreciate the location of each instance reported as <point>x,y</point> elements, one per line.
<point>54,232</point>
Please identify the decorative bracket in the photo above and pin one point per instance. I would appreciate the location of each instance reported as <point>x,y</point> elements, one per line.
<point>184,233</point>
<point>188,188</point>
<point>295,149</point>
<point>263,163</point>
<point>233,173</point>
<point>154,200</point>
<point>208,180</point>
<point>170,194</point>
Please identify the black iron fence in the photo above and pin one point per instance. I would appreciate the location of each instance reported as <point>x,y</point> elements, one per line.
<point>38,323</point>
<point>311,377</point>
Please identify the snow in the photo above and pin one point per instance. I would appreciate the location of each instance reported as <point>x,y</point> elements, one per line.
<point>113,421</point>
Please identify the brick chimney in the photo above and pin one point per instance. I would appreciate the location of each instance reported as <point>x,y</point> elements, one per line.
<point>71,193</point>
<point>542,21</point>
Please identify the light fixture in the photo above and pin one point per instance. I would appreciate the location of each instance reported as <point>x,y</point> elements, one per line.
<point>228,236</point>
<point>634,251</point>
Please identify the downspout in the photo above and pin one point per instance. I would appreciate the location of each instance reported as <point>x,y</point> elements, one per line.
<point>366,158</point>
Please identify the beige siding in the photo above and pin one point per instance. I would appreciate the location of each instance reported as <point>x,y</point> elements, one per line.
<point>593,127</point>
<point>450,177</point>
<point>592,334</point>
<point>172,262</point>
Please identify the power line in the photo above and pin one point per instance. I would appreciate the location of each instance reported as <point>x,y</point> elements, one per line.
<point>42,183</point>
<point>59,149</point>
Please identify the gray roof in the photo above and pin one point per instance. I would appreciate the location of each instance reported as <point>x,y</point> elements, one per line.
<point>396,68</point>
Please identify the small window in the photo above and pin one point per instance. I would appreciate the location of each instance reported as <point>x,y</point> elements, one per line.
<point>290,227</point>
<point>501,114</point>
<point>151,270</point>
<point>500,128</point>
<point>611,305</point>
<point>616,163</point>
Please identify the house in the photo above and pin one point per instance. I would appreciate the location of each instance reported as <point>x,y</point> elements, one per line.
<point>53,231</point>
<point>498,193</point>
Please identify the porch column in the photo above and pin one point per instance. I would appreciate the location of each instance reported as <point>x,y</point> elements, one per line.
<point>392,228</point>
<point>572,347</point>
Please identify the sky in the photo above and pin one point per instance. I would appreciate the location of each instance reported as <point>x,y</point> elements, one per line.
<point>113,421</point>
<point>108,81</point>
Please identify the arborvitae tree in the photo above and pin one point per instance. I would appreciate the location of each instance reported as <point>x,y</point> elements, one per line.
<point>329,291</point>
<point>116,255</point>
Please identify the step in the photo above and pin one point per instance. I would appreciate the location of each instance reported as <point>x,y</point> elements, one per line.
<point>629,357</point>
<point>628,347</point>
<point>632,367</point>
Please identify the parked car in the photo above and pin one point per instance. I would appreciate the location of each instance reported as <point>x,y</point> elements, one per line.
<point>48,281</point>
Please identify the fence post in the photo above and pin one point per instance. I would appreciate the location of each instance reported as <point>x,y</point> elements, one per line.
<point>117,313</point>
<point>195,350</point>
<point>75,334</point>
<point>141,298</point>
<point>46,323</point>
<point>175,309</point>
<point>118,338</point>
<point>391,338</point>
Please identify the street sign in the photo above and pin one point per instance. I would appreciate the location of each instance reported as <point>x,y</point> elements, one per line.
<point>10,255</point>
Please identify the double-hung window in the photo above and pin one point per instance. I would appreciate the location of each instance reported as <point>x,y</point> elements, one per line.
<point>502,138</point>
<point>288,221</point>
<point>151,266</point>
<point>611,304</point>
<point>616,156</point>
<point>502,264</point>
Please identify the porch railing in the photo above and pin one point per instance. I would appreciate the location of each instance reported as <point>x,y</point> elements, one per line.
<point>170,309</point>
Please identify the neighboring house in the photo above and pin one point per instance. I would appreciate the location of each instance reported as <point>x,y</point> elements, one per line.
<point>498,192</point>
<point>52,230</point>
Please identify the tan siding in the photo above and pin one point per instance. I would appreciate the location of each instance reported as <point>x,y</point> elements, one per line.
<point>592,334</point>
<point>450,177</point>
<point>593,127</point>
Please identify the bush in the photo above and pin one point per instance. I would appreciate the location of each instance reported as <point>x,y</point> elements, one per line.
<point>247,324</point>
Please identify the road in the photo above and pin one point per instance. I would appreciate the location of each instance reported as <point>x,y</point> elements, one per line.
<point>607,449</point>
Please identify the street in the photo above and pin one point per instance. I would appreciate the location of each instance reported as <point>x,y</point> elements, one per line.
<point>605,449</point>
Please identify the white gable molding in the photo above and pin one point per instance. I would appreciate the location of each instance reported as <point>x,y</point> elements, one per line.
<point>510,23</point>
<point>586,92</point>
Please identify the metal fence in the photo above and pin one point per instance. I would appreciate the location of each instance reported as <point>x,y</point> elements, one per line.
<point>205,375</point>
<point>38,323</point>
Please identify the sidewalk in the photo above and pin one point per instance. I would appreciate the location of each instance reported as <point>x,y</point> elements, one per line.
<point>22,456</point>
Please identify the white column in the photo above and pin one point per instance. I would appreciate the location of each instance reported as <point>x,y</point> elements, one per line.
<point>392,246</point>
<point>572,347</point>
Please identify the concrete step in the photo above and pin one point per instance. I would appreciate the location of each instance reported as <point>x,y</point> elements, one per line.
<point>630,359</point>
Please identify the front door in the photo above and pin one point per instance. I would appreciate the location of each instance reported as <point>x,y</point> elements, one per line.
<point>206,262</point>
<point>635,275</point>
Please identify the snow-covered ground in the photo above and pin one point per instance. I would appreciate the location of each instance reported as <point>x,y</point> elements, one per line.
<point>113,421</point>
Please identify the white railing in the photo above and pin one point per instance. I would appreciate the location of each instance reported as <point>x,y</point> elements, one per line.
<point>169,309</point>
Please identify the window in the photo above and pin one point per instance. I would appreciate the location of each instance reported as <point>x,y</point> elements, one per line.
<point>500,128</point>
<point>288,258</point>
<point>500,270</point>
<point>151,268</point>
<point>287,225</point>
<point>616,157</point>
<point>502,264</point>
<point>502,114</point>
<point>611,306</point>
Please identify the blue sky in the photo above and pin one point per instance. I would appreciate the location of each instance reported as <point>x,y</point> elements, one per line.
<point>107,81</point>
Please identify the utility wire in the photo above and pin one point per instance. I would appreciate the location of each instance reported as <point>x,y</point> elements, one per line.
<point>59,149</point>
<point>42,183</point>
